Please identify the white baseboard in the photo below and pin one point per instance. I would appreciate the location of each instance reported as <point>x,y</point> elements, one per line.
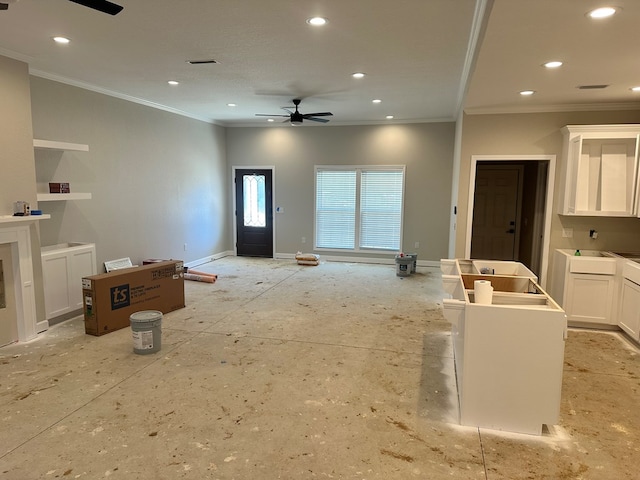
<point>327,258</point>
<point>211,258</point>
<point>381,261</point>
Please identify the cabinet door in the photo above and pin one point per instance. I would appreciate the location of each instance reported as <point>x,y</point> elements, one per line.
<point>589,298</point>
<point>55,271</point>
<point>83,264</point>
<point>630,309</point>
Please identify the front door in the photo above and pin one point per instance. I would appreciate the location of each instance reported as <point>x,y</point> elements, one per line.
<point>254,213</point>
<point>496,212</point>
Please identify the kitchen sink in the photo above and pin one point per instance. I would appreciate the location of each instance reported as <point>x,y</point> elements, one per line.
<point>590,261</point>
<point>592,253</point>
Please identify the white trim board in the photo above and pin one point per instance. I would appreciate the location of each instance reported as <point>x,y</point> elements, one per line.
<point>370,260</point>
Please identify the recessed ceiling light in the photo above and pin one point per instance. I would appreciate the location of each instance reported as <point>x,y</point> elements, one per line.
<point>358,75</point>
<point>61,40</point>
<point>231,105</point>
<point>377,100</point>
<point>389,117</point>
<point>173,82</point>
<point>317,21</point>
<point>603,12</point>
<point>553,64</point>
<point>635,89</point>
<point>526,93</point>
<point>270,120</point>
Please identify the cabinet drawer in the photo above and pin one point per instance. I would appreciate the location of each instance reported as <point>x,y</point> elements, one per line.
<point>595,265</point>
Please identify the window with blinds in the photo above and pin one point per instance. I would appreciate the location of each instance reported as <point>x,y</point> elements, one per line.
<point>359,208</point>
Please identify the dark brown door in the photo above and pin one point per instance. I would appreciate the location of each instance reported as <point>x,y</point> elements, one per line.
<point>254,213</point>
<point>496,212</point>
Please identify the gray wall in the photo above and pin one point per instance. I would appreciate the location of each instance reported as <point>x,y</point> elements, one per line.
<point>539,134</point>
<point>158,179</point>
<point>17,170</point>
<point>426,150</point>
<point>17,177</point>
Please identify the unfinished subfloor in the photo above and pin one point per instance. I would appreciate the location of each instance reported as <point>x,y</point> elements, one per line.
<point>277,371</point>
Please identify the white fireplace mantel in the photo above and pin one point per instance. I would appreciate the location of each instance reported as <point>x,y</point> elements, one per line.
<point>23,220</point>
<point>16,232</point>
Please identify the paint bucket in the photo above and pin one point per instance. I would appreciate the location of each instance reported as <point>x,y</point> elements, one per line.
<point>414,264</point>
<point>403,266</point>
<point>146,328</point>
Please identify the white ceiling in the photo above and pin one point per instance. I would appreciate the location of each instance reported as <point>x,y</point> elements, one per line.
<point>417,55</point>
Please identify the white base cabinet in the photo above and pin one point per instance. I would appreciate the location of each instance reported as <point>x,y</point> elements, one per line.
<point>629,316</point>
<point>63,267</point>
<point>508,354</point>
<point>586,287</point>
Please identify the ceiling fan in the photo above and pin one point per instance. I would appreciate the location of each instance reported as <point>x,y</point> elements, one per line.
<point>296,117</point>
<point>100,5</point>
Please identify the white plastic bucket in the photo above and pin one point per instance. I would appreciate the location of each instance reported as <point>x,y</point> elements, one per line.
<point>403,266</point>
<point>414,258</point>
<point>146,329</point>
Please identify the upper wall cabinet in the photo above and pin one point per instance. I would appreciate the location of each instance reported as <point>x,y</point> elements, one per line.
<point>52,146</point>
<point>600,170</point>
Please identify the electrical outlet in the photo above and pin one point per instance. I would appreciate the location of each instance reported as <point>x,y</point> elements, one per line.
<point>416,245</point>
<point>304,239</point>
<point>185,247</point>
<point>567,232</point>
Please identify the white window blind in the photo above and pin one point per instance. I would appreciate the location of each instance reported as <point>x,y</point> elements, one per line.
<point>335,209</point>
<point>359,208</point>
<point>381,209</point>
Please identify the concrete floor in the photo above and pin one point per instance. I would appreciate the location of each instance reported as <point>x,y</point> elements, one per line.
<point>340,371</point>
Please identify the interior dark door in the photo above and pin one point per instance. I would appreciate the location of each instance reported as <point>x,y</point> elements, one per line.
<point>254,213</point>
<point>495,212</point>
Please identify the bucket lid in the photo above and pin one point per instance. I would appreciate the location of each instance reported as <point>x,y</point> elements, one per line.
<point>145,316</point>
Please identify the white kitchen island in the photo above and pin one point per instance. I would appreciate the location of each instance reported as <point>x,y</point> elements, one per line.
<point>508,355</point>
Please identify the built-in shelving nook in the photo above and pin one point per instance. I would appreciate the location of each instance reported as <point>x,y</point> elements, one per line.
<point>53,146</point>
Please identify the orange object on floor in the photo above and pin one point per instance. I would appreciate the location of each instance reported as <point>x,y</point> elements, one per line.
<point>204,274</point>
<point>199,278</point>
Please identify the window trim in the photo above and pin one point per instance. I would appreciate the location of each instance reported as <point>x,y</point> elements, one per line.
<point>358,169</point>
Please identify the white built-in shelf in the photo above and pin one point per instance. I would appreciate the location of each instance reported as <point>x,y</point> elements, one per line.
<point>61,146</point>
<point>55,197</point>
<point>27,218</point>
<point>54,146</point>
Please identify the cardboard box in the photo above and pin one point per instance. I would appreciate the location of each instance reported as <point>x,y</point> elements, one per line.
<point>59,188</point>
<point>110,298</point>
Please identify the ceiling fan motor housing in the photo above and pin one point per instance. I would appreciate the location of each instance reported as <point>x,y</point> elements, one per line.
<point>296,118</point>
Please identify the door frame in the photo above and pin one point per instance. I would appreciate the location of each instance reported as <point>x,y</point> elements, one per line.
<point>233,195</point>
<point>548,208</point>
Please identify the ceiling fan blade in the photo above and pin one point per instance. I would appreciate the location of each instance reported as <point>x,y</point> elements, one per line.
<point>321,120</point>
<point>100,5</point>
<point>319,114</point>
<point>268,115</point>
